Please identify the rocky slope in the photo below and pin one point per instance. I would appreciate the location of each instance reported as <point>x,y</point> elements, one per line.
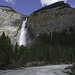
<point>10,22</point>
<point>55,17</point>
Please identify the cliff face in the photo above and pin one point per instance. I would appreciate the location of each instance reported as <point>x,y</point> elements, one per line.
<point>10,23</point>
<point>55,17</point>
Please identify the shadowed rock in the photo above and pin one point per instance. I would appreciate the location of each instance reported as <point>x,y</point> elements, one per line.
<point>55,17</point>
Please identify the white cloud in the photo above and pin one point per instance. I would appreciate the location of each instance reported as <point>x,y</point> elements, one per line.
<point>11,1</point>
<point>48,2</point>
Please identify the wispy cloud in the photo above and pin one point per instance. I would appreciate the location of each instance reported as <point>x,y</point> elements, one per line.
<point>11,1</point>
<point>48,2</point>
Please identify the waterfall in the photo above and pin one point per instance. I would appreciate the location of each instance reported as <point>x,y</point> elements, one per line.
<point>22,40</point>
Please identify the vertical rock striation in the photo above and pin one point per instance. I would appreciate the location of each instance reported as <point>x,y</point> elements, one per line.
<point>55,17</point>
<point>10,23</point>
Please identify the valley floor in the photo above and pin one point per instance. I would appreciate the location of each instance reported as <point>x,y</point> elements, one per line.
<point>43,70</point>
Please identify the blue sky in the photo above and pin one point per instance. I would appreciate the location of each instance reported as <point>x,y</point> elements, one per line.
<point>28,6</point>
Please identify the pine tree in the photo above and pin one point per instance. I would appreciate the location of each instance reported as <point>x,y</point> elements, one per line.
<point>6,51</point>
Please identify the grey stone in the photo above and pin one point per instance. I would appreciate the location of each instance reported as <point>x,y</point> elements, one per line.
<point>10,23</point>
<point>49,19</point>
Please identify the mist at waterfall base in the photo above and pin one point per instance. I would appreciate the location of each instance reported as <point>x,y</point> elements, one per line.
<point>22,40</point>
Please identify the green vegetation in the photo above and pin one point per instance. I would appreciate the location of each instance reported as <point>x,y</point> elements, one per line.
<point>6,51</point>
<point>56,47</point>
<point>53,48</point>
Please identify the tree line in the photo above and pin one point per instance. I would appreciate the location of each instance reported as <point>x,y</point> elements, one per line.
<point>53,48</point>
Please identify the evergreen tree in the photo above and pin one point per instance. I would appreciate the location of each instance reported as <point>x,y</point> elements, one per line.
<point>6,51</point>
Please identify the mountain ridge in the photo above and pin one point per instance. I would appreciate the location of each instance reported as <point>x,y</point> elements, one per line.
<point>55,17</point>
<point>54,5</point>
<point>50,20</point>
<point>10,23</point>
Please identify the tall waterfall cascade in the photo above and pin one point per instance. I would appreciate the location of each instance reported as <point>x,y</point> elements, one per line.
<point>22,40</point>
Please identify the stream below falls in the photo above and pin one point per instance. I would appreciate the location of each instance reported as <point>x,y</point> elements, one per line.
<point>43,70</point>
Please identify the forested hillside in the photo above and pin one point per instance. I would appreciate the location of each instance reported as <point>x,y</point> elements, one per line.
<point>52,48</point>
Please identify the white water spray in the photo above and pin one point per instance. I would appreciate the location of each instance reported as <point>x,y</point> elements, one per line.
<point>22,40</point>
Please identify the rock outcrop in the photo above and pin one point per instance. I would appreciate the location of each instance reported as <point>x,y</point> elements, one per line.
<point>55,17</point>
<point>10,23</point>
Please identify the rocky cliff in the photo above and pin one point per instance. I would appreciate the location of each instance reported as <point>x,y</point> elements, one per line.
<point>10,22</point>
<point>55,17</point>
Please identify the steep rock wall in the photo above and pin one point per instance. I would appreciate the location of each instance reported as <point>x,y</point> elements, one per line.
<point>10,23</point>
<point>55,17</point>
